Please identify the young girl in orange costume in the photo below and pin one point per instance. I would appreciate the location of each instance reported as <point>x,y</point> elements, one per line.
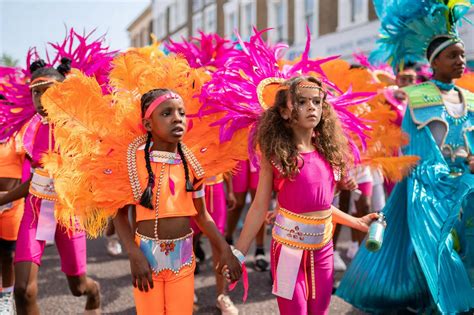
<point>152,171</point>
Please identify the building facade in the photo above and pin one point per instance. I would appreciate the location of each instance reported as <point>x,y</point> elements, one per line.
<point>141,28</point>
<point>338,27</point>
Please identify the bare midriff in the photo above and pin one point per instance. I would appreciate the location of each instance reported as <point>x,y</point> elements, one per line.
<point>7,184</point>
<point>318,214</point>
<point>168,228</point>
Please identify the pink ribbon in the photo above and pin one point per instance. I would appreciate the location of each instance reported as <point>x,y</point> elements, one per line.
<point>245,280</point>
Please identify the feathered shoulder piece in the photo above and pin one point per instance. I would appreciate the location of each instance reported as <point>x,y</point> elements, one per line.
<point>246,86</point>
<point>94,135</point>
<point>90,56</point>
<point>408,27</point>
<point>209,50</point>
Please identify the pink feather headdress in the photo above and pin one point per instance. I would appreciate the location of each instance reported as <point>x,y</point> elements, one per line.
<point>234,91</point>
<point>209,50</point>
<point>91,57</point>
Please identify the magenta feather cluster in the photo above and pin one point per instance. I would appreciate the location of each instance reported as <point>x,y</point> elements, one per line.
<point>209,50</point>
<point>91,57</point>
<point>232,90</point>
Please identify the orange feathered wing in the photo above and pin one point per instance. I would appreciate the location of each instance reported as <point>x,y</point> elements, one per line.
<point>466,81</point>
<point>93,132</point>
<point>385,137</point>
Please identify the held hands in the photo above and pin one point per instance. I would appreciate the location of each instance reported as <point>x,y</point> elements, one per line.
<point>229,266</point>
<point>364,222</point>
<point>141,271</point>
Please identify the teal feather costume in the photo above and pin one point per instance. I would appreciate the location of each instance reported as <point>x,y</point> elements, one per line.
<point>427,259</point>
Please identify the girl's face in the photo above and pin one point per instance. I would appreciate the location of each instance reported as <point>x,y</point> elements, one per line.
<point>451,62</point>
<point>309,107</point>
<point>36,93</point>
<point>406,78</point>
<point>167,122</point>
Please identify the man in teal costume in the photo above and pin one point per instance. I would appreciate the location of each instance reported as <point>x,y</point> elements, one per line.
<point>427,258</point>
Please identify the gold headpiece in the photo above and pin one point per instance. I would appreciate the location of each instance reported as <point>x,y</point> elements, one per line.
<point>267,90</point>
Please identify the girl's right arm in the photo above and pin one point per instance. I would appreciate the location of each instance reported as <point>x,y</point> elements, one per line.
<point>258,210</point>
<point>140,269</point>
<point>19,192</point>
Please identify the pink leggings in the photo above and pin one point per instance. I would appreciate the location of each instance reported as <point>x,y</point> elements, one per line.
<point>216,205</point>
<point>245,178</point>
<point>71,248</point>
<point>302,302</point>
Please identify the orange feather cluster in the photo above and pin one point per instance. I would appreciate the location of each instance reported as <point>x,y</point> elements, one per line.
<point>93,131</point>
<point>385,137</point>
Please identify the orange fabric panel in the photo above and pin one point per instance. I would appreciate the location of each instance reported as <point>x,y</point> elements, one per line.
<point>11,159</point>
<point>179,204</point>
<point>10,221</point>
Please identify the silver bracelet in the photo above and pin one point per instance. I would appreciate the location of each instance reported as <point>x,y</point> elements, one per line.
<point>199,193</point>
<point>237,253</point>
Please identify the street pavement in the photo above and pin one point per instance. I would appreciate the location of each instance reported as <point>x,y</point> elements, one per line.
<point>113,274</point>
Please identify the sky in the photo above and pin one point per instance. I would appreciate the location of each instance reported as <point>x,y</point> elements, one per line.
<point>27,23</point>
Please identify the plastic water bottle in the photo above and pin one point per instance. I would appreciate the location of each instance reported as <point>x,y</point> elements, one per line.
<point>376,230</point>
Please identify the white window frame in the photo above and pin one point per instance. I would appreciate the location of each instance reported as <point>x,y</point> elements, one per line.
<point>183,33</point>
<point>160,28</point>
<point>231,8</point>
<point>210,10</point>
<point>300,21</point>
<point>272,20</point>
<point>181,12</point>
<point>197,17</point>
<point>197,5</point>
<point>345,14</point>
<point>172,16</point>
<point>246,23</point>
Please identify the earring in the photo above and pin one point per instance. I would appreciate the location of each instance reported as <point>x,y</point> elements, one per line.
<point>147,126</point>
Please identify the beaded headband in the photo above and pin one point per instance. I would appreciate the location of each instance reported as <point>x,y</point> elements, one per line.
<point>41,81</point>
<point>159,100</point>
<point>312,85</point>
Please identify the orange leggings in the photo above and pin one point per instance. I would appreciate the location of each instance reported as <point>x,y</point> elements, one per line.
<point>10,221</point>
<point>172,294</point>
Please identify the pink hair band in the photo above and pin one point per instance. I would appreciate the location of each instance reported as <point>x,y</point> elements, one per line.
<point>159,100</point>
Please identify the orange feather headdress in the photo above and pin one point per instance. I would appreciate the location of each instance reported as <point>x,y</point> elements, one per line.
<point>93,132</point>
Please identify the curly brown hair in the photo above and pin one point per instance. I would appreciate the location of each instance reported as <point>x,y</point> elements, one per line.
<point>275,134</point>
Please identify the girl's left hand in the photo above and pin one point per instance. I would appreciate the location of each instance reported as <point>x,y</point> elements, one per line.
<point>229,266</point>
<point>470,161</point>
<point>231,201</point>
<point>365,221</point>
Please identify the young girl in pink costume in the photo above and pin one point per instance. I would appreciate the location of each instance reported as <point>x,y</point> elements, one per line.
<point>304,152</point>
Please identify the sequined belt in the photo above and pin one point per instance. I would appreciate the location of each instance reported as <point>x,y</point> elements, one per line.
<point>297,236</point>
<point>300,231</point>
<point>42,185</point>
<point>168,254</point>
